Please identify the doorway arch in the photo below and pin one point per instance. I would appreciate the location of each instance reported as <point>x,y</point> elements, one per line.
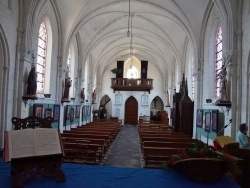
<point>131,111</point>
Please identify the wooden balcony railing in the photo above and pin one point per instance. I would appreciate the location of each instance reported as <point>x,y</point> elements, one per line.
<point>126,84</point>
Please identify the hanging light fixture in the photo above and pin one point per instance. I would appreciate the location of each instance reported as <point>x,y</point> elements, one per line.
<point>130,50</point>
<point>128,32</point>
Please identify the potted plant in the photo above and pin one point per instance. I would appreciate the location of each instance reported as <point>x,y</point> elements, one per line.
<point>202,163</point>
<point>114,70</point>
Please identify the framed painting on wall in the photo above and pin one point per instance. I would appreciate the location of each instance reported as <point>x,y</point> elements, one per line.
<point>84,110</point>
<point>199,118</point>
<point>207,121</point>
<point>144,100</point>
<point>118,99</point>
<point>72,114</point>
<point>89,110</point>
<point>68,112</point>
<point>48,113</point>
<point>38,110</point>
<point>215,120</point>
<point>78,110</point>
<point>56,113</point>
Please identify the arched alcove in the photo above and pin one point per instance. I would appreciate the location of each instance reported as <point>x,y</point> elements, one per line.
<point>106,102</point>
<point>156,106</point>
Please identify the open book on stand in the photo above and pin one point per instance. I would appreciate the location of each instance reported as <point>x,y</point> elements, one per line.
<point>31,142</point>
<point>224,140</point>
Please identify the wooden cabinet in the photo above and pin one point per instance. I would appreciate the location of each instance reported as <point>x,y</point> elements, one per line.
<point>183,110</point>
<point>164,118</point>
<point>175,112</point>
<point>186,112</point>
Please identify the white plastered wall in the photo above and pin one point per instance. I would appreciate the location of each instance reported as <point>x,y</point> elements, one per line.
<point>208,67</point>
<point>245,115</point>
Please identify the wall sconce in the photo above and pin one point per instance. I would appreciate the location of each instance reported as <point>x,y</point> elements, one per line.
<point>208,100</point>
<point>47,96</point>
<point>29,100</point>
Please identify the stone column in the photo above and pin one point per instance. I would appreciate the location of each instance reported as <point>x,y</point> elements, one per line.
<point>27,59</point>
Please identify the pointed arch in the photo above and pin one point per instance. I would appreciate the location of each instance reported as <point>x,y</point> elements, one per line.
<point>44,55</point>
<point>156,106</point>
<point>4,83</point>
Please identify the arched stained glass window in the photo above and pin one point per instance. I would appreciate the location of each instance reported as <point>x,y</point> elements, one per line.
<point>41,57</point>
<point>193,77</point>
<point>68,63</point>
<point>218,60</point>
<point>132,71</point>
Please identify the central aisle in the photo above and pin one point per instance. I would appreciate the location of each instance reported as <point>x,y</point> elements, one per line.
<point>125,151</point>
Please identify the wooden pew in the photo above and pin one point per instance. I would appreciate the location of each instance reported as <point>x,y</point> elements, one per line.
<point>103,124</point>
<point>154,157</point>
<point>154,127</point>
<point>168,144</point>
<point>161,137</point>
<point>107,138</point>
<point>110,134</point>
<point>173,134</point>
<point>112,130</point>
<point>157,150</point>
<point>81,152</point>
<point>161,134</point>
<point>97,147</point>
<point>168,139</point>
<point>102,144</point>
<point>97,127</point>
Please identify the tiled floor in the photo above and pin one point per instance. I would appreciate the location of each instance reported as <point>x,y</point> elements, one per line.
<point>125,150</point>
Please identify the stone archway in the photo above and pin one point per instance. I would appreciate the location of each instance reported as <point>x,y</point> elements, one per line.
<point>4,82</point>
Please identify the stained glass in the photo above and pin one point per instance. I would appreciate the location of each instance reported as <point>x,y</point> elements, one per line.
<point>218,61</point>
<point>41,57</point>
<point>68,63</point>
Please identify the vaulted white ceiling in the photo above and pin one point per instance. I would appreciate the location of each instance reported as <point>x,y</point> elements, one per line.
<point>160,28</point>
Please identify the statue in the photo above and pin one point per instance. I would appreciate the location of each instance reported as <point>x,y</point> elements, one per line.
<point>68,83</point>
<point>32,82</point>
<point>82,95</point>
<point>167,100</point>
<point>223,100</point>
<point>223,80</point>
<point>94,97</point>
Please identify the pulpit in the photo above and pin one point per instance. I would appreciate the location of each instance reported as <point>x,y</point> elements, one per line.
<point>228,145</point>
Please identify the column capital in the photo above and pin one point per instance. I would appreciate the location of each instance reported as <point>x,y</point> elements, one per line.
<point>27,54</point>
<point>62,71</point>
<point>239,33</point>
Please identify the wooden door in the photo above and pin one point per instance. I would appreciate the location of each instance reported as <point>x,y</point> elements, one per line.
<point>131,111</point>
